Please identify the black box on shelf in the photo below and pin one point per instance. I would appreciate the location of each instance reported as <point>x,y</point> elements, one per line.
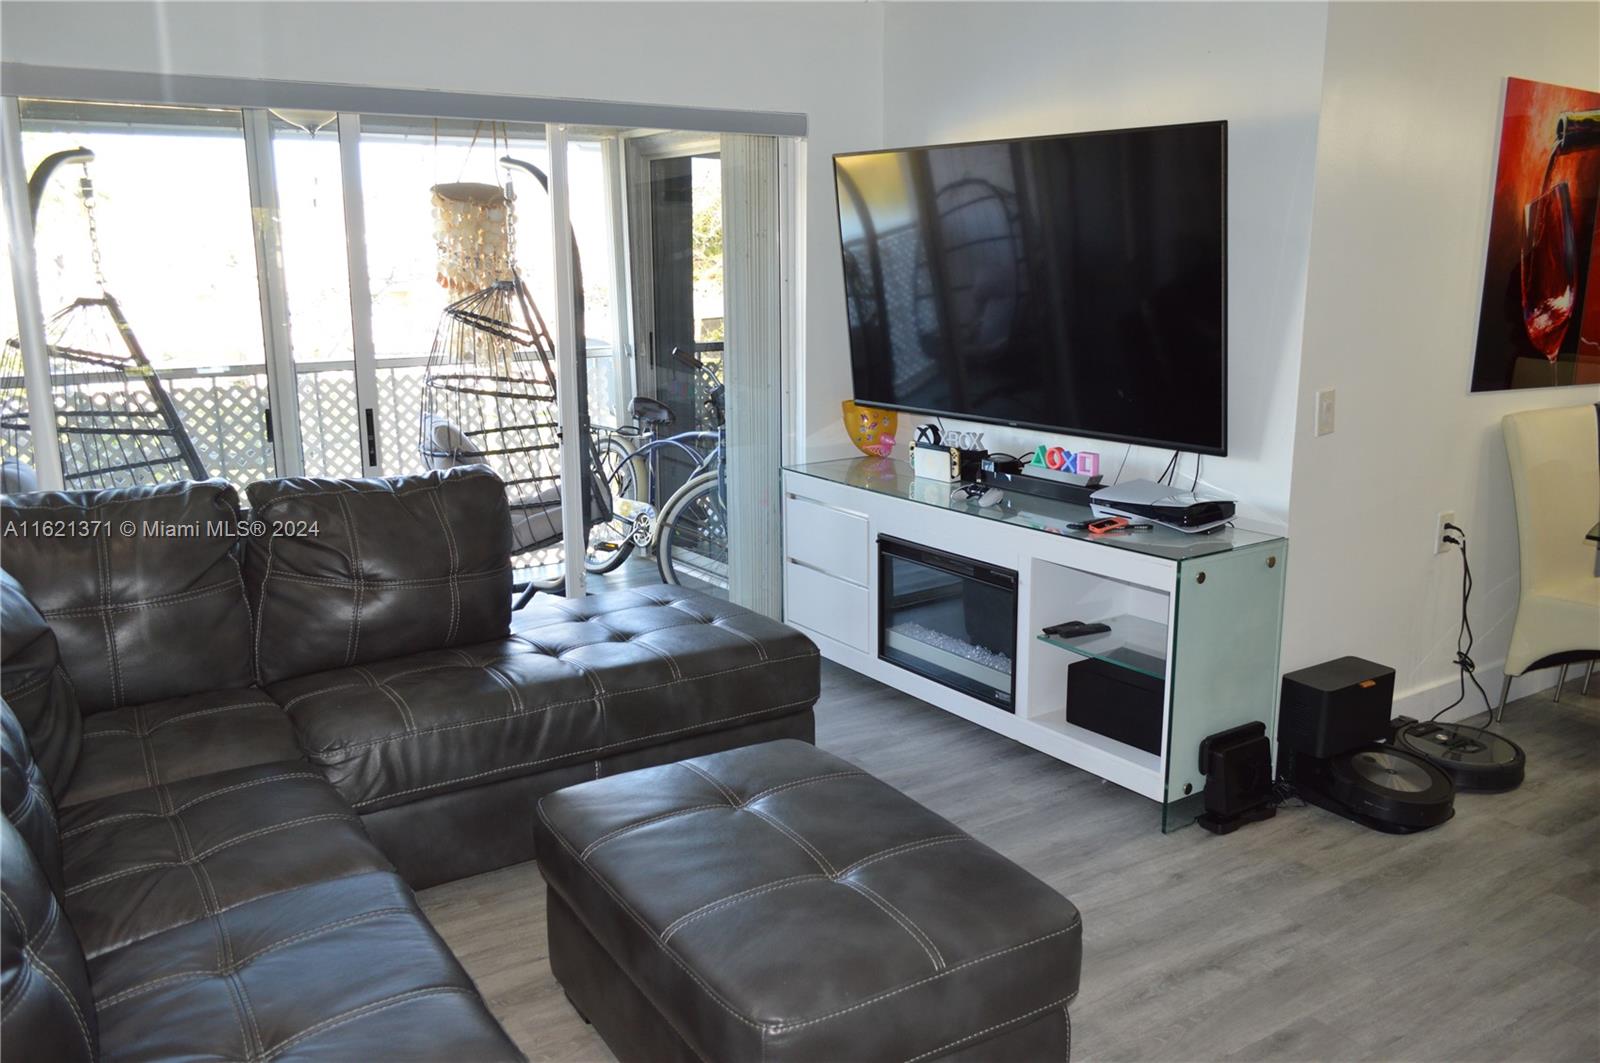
<point>1334,707</point>
<point>1115,702</point>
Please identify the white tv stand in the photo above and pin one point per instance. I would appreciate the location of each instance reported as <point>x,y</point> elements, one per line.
<point>1201,613</point>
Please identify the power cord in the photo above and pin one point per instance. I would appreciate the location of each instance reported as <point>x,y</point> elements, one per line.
<point>1464,636</point>
<point>1282,793</point>
<point>1172,466</point>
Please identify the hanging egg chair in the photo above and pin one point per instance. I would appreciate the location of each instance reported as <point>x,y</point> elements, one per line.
<point>116,426</point>
<point>489,392</point>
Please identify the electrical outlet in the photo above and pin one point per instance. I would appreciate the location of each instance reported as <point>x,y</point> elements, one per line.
<point>1439,545</point>
<point>1325,412</point>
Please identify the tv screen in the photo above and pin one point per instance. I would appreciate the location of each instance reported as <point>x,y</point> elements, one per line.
<point>1073,283</point>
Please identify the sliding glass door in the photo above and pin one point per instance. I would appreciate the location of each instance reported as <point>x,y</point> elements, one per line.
<point>252,292</point>
<point>692,465</point>
<point>147,271</point>
<point>306,223</point>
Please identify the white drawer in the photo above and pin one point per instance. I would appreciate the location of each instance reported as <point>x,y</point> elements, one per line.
<point>827,539</point>
<point>827,606</point>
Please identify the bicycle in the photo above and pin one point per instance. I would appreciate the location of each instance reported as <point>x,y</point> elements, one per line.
<point>690,537</point>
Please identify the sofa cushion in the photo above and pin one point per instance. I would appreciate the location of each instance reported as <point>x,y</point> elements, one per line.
<point>580,681</point>
<point>37,687</point>
<point>180,738</point>
<point>142,862</point>
<point>25,799</point>
<point>46,1008</point>
<point>776,902</point>
<point>337,970</point>
<point>344,572</point>
<point>154,614</point>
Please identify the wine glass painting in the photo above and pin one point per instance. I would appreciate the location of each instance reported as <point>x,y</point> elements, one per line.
<point>1539,323</point>
<point>1549,270</point>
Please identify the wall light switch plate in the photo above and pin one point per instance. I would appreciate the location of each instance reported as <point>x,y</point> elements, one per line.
<point>1325,412</point>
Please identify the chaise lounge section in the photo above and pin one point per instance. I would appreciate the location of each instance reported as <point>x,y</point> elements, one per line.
<point>385,635</point>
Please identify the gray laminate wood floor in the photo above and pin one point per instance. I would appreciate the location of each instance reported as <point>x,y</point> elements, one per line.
<point>1303,938</point>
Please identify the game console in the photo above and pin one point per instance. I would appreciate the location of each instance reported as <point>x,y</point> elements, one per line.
<point>936,462</point>
<point>1171,507</point>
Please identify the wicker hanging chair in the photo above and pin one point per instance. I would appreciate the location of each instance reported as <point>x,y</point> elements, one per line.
<point>115,423</point>
<point>489,397</point>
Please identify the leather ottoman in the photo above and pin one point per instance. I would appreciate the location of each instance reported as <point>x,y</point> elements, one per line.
<point>777,903</point>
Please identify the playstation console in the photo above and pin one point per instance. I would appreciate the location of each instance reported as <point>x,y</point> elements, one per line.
<point>1163,504</point>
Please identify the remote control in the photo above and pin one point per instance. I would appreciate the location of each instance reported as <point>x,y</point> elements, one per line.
<point>1073,629</point>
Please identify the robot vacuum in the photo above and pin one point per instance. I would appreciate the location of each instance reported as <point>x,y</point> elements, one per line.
<point>1378,786</point>
<point>1474,758</point>
<point>1336,748</point>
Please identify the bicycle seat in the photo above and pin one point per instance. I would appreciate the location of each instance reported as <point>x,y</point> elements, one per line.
<point>646,410</point>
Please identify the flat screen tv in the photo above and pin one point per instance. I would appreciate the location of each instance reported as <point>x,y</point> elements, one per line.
<point>1073,284</point>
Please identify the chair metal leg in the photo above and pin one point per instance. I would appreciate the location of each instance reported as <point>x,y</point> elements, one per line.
<point>1505,690</point>
<point>1561,681</point>
<point>1588,673</point>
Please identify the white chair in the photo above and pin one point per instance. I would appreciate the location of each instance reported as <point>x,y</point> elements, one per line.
<point>1555,475</point>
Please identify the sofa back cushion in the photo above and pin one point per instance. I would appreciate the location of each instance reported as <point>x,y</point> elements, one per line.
<point>342,572</point>
<point>25,799</point>
<point>141,585</point>
<point>44,979</point>
<point>37,688</point>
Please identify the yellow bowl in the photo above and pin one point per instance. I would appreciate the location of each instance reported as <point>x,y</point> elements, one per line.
<point>871,430</point>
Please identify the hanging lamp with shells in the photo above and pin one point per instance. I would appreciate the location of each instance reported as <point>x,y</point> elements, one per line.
<point>471,228</point>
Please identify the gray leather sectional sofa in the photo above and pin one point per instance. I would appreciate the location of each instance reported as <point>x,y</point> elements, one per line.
<point>231,751</point>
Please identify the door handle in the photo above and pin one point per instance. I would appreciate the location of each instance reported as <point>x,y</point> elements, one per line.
<point>372,439</point>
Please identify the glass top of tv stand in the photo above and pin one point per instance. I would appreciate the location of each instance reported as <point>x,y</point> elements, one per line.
<point>886,476</point>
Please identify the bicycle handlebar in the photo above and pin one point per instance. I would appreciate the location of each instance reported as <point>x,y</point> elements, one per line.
<point>691,357</point>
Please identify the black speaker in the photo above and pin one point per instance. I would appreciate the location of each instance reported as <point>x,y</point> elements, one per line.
<point>1115,702</point>
<point>1238,768</point>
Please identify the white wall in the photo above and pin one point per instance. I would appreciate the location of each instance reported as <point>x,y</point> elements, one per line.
<point>1405,165</point>
<point>973,71</point>
<point>822,60</point>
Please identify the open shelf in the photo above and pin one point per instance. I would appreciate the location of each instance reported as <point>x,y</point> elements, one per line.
<point>1057,722</point>
<point>1133,642</point>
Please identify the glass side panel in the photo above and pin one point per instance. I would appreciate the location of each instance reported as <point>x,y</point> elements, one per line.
<point>894,478</point>
<point>1225,660</point>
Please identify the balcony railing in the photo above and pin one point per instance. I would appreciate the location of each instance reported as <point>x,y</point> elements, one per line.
<point>222,411</point>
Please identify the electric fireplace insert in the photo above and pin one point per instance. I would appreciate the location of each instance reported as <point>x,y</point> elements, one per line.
<point>949,618</point>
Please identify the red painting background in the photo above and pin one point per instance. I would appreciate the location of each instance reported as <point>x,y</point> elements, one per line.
<point>1505,358</point>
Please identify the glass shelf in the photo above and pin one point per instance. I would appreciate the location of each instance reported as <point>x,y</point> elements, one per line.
<point>886,476</point>
<point>1133,642</point>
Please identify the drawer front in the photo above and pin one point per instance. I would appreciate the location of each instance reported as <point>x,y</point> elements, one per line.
<point>827,606</point>
<point>827,539</point>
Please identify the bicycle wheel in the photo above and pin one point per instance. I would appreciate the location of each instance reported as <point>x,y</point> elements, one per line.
<point>693,549</point>
<point>611,542</point>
